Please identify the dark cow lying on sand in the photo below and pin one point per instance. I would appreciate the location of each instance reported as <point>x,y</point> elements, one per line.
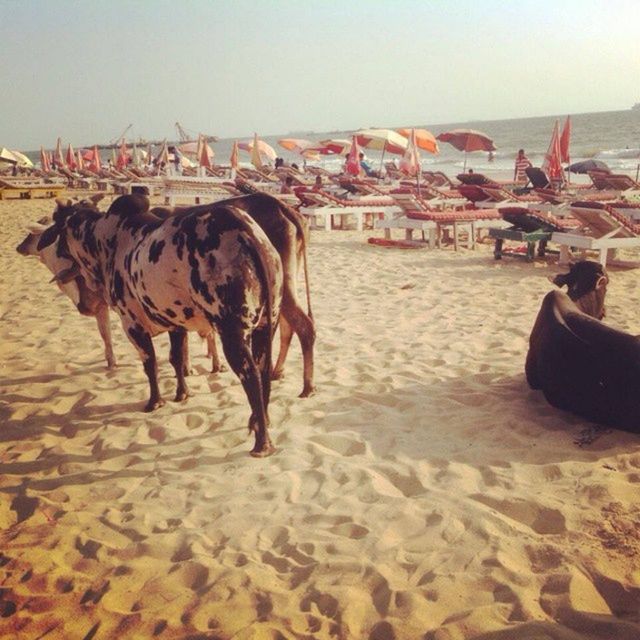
<point>87,302</point>
<point>202,268</point>
<point>580,363</point>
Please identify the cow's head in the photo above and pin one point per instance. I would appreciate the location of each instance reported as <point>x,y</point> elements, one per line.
<point>587,286</point>
<point>29,246</point>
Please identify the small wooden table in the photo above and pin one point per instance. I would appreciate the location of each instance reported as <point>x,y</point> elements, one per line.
<point>516,235</point>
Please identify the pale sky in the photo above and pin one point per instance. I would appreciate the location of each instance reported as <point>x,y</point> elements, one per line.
<point>85,70</point>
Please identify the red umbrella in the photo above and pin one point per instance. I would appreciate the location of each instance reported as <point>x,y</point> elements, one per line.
<point>410,163</point>
<point>44,161</point>
<point>71,157</point>
<point>353,161</point>
<point>58,157</point>
<point>96,163</point>
<point>233,160</point>
<point>123,158</point>
<point>335,146</point>
<point>552,164</point>
<point>468,140</point>
<point>565,139</point>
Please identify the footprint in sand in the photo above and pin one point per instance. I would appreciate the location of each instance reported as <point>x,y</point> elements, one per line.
<point>339,444</point>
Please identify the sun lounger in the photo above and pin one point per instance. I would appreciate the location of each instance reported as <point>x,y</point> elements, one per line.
<point>198,189</point>
<point>621,182</point>
<point>601,229</point>
<point>529,227</point>
<point>328,207</point>
<point>29,189</point>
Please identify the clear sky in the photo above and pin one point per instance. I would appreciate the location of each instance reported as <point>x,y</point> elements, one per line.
<point>85,70</point>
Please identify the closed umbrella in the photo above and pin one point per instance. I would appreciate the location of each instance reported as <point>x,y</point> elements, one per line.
<point>233,160</point>
<point>58,157</point>
<point>45,165</point>
<point>123,157</point>
<point>424,139</point>
<point>410,163</point>
<point>79,160</point>
<point>565,140</point>
<point>71,158</point>
<point>353,160</point>
<point>552,164</point>
<point>467,140</point>
<point>96,163</point>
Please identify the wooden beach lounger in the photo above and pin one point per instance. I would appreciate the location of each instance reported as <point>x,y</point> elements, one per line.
<point>29,190</point>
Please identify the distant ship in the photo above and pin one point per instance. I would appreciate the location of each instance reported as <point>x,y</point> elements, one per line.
<point>636,107</point>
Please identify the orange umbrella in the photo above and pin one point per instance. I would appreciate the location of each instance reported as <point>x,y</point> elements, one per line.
<point>203,157</point>
<point>123,159</point>
<point>96,164</point>
<point>79,160</point>
<point>233,160</point>
<point>45,165</point>
<point>424,139</point>
<point>305,148</point>
<point>71,157</point>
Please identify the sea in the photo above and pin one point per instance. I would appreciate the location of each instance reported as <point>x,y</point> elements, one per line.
<point>611,136</point>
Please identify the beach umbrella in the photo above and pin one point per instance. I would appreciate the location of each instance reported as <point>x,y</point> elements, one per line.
<point>337,146</point>
<point>264,151</point>
<point>7,157</point>
<point>467,140</point>
<point>256,160</point>
<point>71,158</point>
<point>58,157</point>
<point>45,165</point>
<point>96,163</point>
<point>565,140</point>
<point>353,160</point>
<point>305,148</point>
<point>11,156</point>
<point>424,139</point>
<point>205,153</point>
<point>410,162</point>
<point>79,160</point>
<point>382,140</point>
<point>123,157</point>
<point>193,150</point>
<point>589,165</point>
<point>233,160</point>
<point>552,164</point>
<point>163,156</point>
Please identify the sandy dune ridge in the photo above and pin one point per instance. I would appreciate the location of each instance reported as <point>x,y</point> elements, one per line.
<point>423,492</point>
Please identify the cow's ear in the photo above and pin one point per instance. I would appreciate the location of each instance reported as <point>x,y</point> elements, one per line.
<point>561,279</point>
<point>67,275</point>
<point>62,204</point>
<point>48,237</point>
<point>603,281</point>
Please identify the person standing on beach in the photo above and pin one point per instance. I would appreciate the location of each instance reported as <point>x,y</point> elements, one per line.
<point>522,163</point>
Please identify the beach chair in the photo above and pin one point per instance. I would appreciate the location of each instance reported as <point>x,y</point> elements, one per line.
<point>29,189</point>
<point>197,189</point>
<point>621,182</point>
<point>602,229</point>
<point>530,227</point>
<point>321,204</point>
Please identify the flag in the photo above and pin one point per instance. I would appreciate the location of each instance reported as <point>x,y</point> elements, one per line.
<point>256,160</point>
<point>552,161</point>
<point>71,157</point>
<point>410,162</point>
<point>45,165</point>
<point>565,139</point>
<point>233,160</point>
<point>353,159</point>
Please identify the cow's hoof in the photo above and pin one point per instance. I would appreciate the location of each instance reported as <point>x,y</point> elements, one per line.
<point>307,391</point>
<point>111,365</point>
<point>181,397</point>
<point>263,452</point>
<point>218,368</point>
<point>152,405</point>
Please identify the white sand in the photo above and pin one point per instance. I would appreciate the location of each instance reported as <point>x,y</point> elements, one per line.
<point>423,492</point>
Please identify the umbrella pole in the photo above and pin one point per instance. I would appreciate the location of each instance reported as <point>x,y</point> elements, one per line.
<point>464,166</point>
<point>637,171</point>
<point>384,148</point>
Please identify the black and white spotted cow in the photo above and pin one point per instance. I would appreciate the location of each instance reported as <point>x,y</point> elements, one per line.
<point>288,232</point>
<point>202,268</point>
<point>86,301</point>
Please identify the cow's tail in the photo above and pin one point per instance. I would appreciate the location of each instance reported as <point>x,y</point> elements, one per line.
<point>301,231</point>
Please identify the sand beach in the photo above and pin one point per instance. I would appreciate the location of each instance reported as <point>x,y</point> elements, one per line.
<point>424,491</point>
